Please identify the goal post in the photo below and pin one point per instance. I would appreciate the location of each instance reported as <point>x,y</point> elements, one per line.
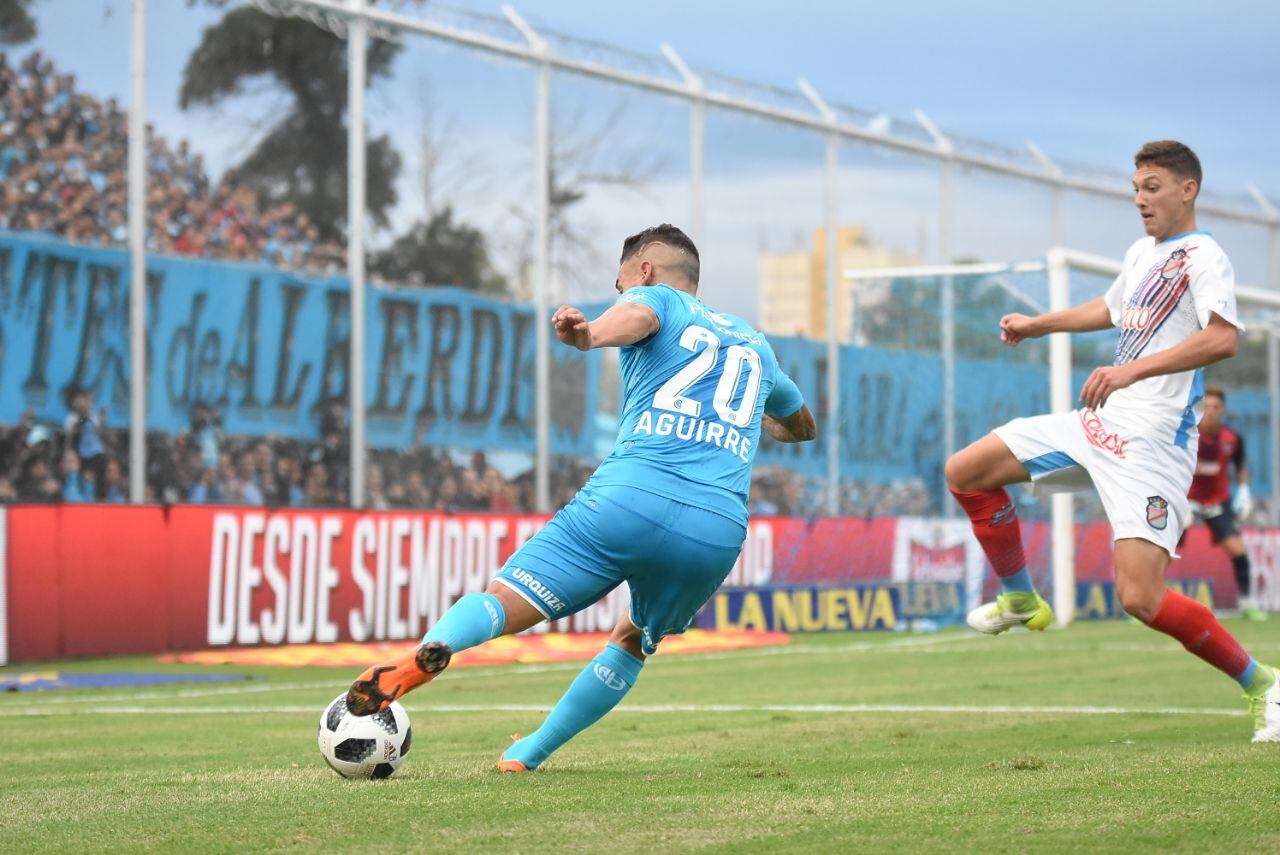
<point>1062,397</point>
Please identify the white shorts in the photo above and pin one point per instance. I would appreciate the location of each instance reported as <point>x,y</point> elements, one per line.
<point>1143,482</point>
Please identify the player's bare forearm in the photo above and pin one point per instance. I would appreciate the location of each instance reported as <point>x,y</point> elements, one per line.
<point>620,325</point>
<point>1091,316</point>
<point>797,427</point>
<point>1087,317</point>
<point>1214,343</point>
<point>1242,475</point>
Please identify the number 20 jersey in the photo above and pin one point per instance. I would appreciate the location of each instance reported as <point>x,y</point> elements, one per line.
<point>692,398</point>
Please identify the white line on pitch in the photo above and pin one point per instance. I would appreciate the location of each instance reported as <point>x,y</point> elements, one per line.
<point>667,708</point>
<point>39,696</point>
<point>904,645</point>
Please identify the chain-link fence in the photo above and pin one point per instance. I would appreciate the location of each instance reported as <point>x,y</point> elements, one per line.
<point>500,165</point>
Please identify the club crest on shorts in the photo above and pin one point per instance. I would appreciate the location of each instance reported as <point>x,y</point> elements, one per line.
<point>1157,513</point>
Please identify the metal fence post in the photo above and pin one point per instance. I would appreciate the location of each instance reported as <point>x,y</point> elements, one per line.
<point>1056,227</point>
<point>137,181</point>
<point>542,258</point>
<point>947,310</point>
<point>356,60</point>
<point>697,117</point>
<point>831,220</point>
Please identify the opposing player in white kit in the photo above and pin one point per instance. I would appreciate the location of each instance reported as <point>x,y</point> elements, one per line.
<point>1135,436</point>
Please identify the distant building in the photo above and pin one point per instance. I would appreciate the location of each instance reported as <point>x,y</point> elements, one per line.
<point>793,288</point>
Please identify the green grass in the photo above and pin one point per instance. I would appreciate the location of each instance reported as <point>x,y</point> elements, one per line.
<point>758,780</point>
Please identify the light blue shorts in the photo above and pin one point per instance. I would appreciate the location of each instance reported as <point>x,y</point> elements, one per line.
<point>672,556</point>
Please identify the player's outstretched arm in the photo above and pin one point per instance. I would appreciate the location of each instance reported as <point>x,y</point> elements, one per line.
<point>1214,343</point>
<point>622,324</point>
<point>797,427</point>
<point>1087,317</point>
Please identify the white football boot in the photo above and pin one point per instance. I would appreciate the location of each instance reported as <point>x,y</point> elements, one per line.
<point>1265,709</point>
<point>1010,610</point>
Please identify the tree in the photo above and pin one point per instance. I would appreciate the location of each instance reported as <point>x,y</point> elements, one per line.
<point>302,158</point>
<point>439,252</point>
<point>586,156</point>
<point>16,24</point>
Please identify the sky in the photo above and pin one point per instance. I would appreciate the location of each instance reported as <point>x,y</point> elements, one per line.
<point>1087,81</point>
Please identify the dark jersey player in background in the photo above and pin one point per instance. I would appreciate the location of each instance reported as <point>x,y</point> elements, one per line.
<point>666,511</point>
<point>1210,493</point>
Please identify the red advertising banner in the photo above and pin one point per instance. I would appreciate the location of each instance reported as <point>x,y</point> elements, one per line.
<point>88,580</point>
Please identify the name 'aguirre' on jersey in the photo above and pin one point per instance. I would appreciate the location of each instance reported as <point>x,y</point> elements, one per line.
<point>693,396</point>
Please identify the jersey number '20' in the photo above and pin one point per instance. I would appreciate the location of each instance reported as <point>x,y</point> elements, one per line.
<point>671,396</point>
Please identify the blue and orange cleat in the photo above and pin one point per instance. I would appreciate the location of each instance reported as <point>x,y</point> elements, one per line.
<point>505,765</point>
<point>375,689</point>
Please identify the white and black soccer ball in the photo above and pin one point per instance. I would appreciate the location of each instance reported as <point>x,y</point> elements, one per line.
<point>363,746</point>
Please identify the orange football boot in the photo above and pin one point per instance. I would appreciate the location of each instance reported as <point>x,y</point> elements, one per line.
<point>505,765</point>
<point>375,689</point>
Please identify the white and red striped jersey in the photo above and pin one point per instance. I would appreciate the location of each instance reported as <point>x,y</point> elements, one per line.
<point>1164,295</point>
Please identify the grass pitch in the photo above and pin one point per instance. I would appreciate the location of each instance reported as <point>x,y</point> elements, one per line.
<point>947,742</point>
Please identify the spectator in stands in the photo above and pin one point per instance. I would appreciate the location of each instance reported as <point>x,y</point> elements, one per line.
<point>288,482</point>
<point>74,487</point>
<point>206,433</point>
<point>242,486</point>
<point>114,486</point>
<point>37,483</point>
<point>84,432</point>
<point>207,490</point>
<point>377,499</point>
<point>316,492</point>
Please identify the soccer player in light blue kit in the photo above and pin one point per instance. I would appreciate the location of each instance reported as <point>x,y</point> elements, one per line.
<point>666,512</point>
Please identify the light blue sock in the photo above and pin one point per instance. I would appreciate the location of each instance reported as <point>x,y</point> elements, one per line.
<point>1018,583</point>
<point>596,690</point>
<point>1248,675</point>
<point>472,620</point>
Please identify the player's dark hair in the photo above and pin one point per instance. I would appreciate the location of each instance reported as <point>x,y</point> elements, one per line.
<point>1173,156</point>
<point>667,235</point>
<point>1216,392</point>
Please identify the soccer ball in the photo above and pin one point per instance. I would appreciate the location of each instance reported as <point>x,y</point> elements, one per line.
<point>368,746</point>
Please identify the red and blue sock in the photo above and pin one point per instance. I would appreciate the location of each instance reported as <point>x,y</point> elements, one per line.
<point>995,524</point>
<point>1195,627</point>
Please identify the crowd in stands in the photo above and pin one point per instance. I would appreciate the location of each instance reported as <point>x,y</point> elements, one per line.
<point>781,491</point>
<point>83,460</point>
<point>63,159</point>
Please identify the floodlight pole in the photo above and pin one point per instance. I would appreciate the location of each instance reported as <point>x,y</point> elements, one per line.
<point>831,188</point>
<point>946,251</point>
<point>357,46</point>
<point>542,257</point>
<point>697,118</point>
<point>137,180</point>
